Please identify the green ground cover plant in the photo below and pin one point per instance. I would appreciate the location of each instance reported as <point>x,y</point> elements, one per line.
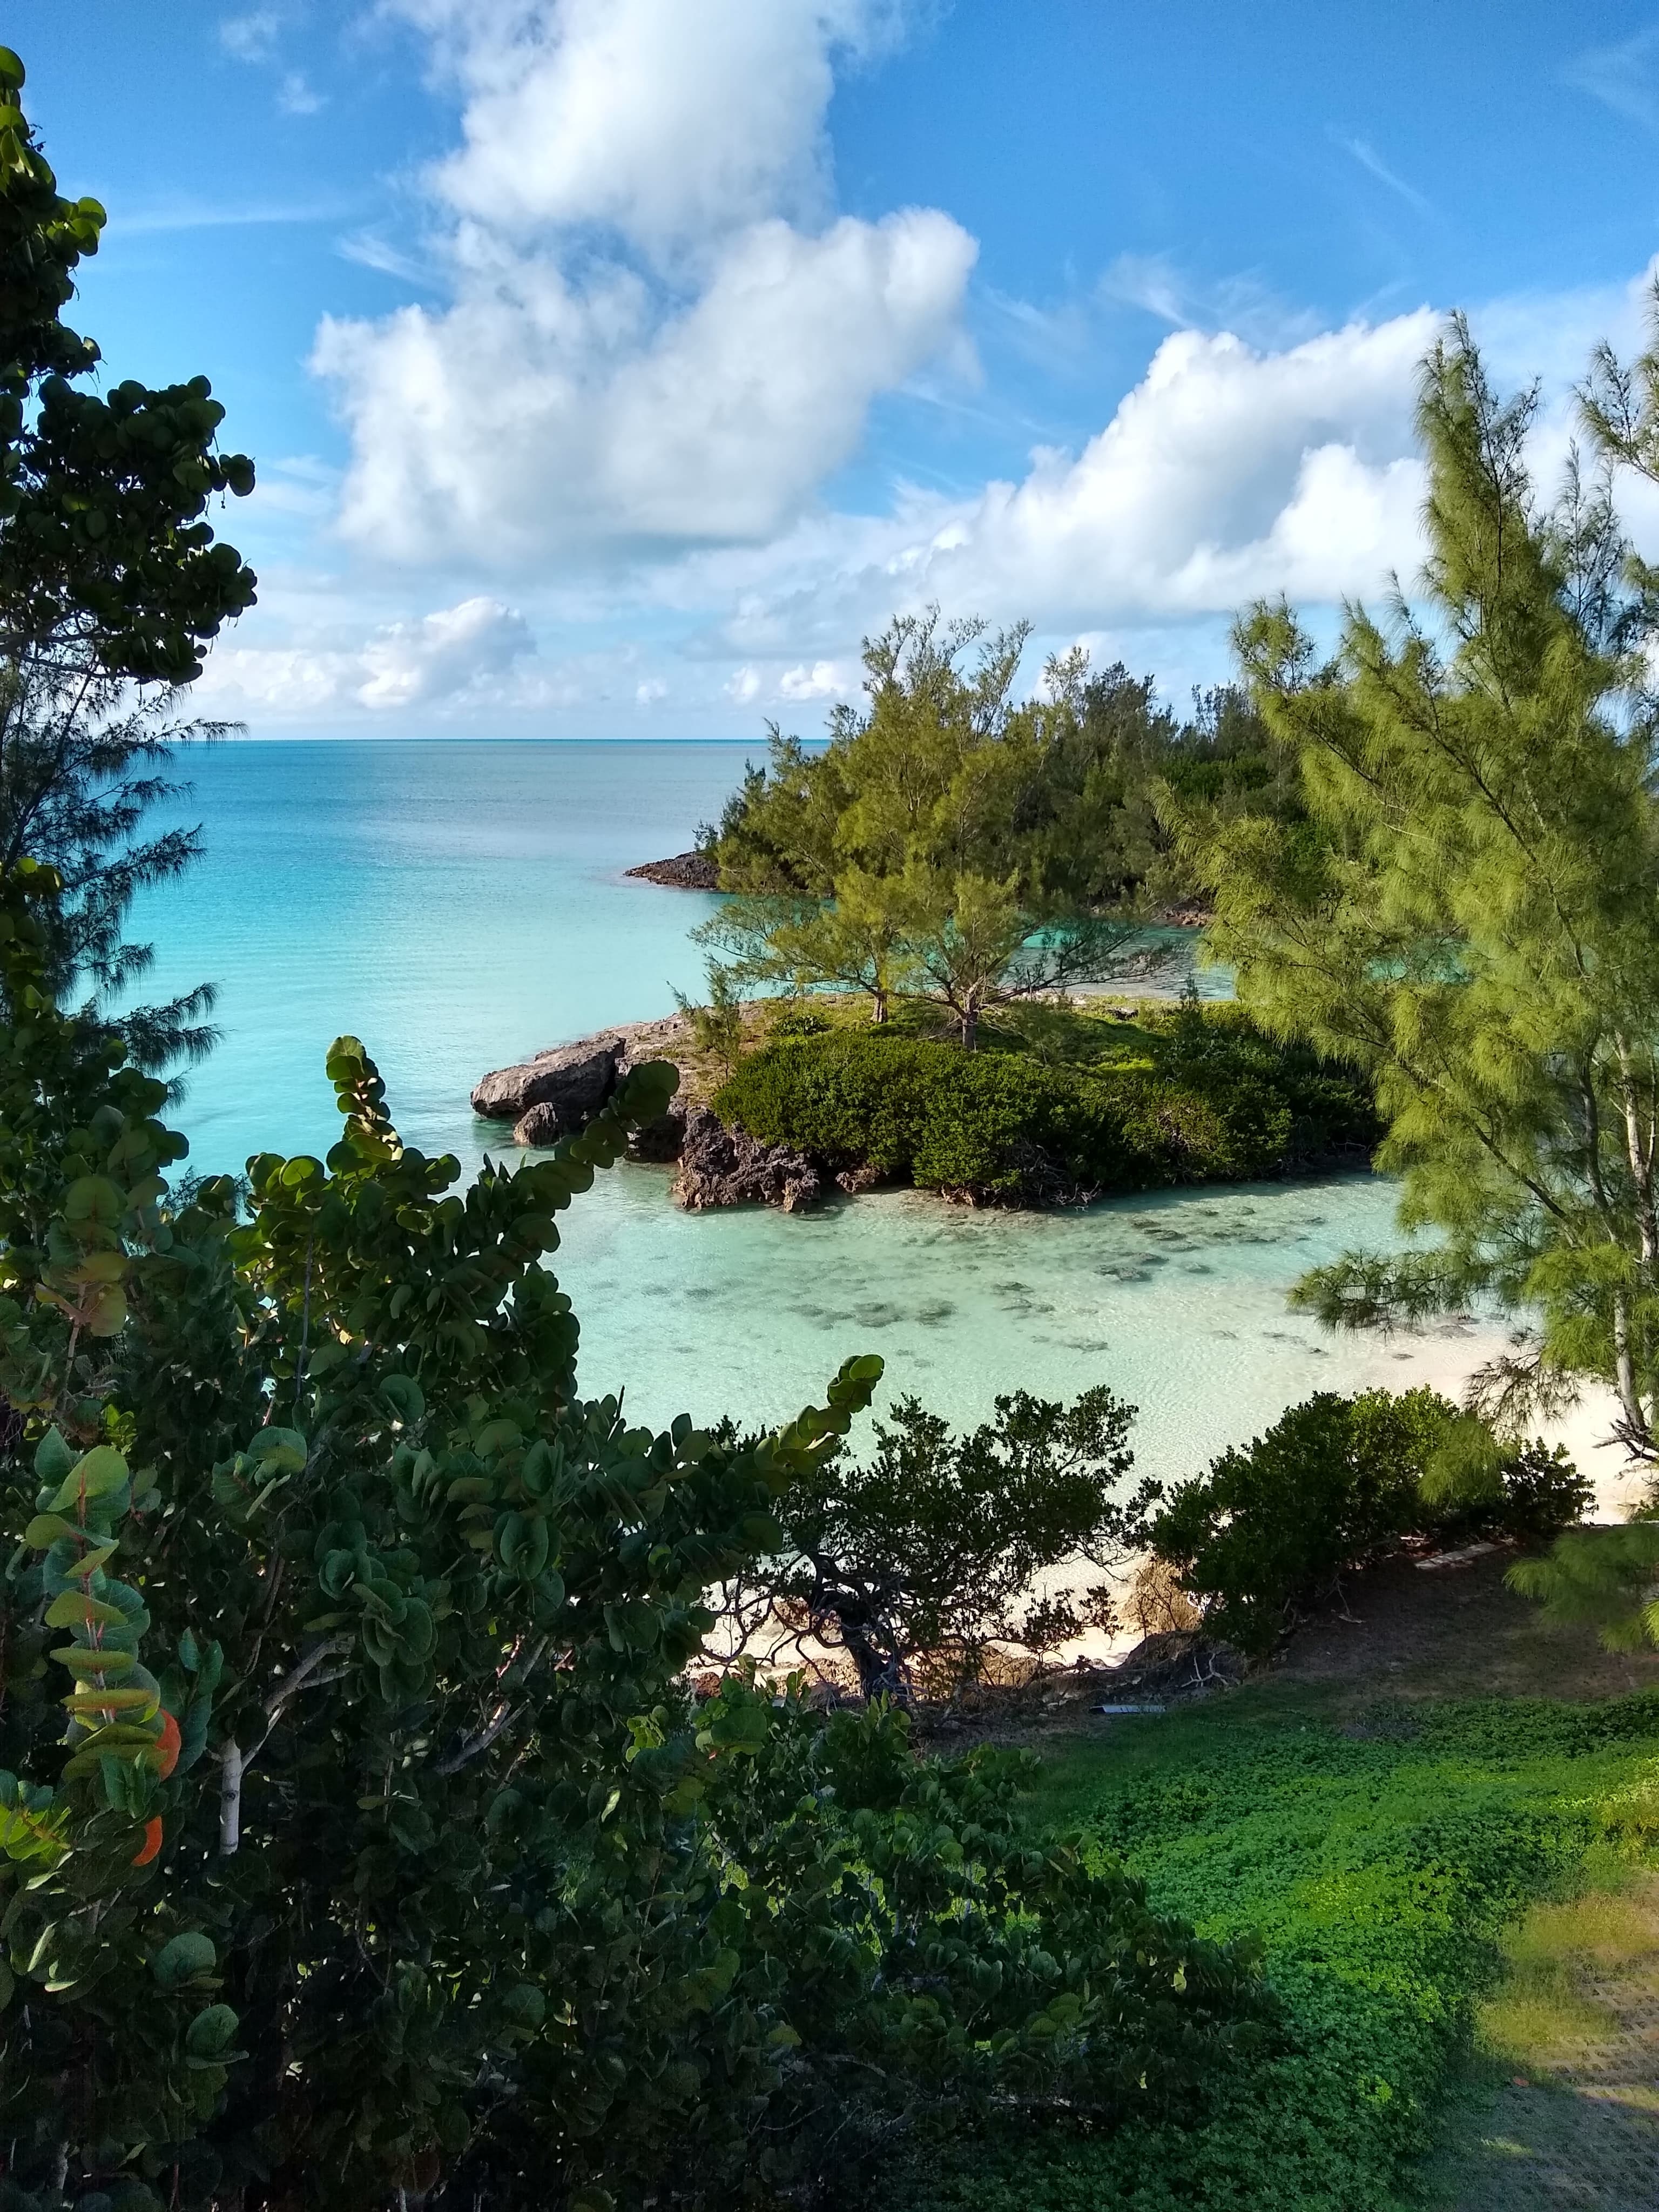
<point>1379,1866</point>
<point>1068,1105</point>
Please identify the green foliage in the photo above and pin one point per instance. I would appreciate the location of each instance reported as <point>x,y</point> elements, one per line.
<point>108,571</point>
<point>921,1561</point>
<point>385,1847</point>
<point>950,843</point>
<point>1377,1869</point>
<point>1335,1484</point>
<point>1472,913</point>
<point>1085,820</point>
<point>103,552</point>
<point>1607,1578</point>
<point>1192,1097</point>
<point>716,1027</point>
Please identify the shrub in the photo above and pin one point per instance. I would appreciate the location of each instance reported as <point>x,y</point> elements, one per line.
<point>1331,1486</point>
<point>920,1561</point>
<point>1191,1097</point>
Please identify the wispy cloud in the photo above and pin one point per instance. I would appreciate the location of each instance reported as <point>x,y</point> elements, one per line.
<point>1241,303</point>
<point>1152,282</point>
<point>1622,76</point>
<point>251,38</point>
<point>217,214</point>
<point>1372,162</point>
<point>370,251</point>
<point>295,97</point>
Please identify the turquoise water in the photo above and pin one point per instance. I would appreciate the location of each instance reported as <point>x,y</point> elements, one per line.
<point>459,904</point>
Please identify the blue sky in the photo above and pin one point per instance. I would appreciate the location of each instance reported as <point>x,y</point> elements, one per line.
<point>612,366</point>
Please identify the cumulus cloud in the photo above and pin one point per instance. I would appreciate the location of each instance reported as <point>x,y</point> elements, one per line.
<point>1227,472</point>
<point>657,339</point>
<point>457,659</point>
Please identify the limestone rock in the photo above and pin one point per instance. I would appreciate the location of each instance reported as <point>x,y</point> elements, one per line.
<point>660,1140</point>
<point>685,872</point>
<point>539,1128</point>
<point>727,1167</point>
<point>574,1080</point>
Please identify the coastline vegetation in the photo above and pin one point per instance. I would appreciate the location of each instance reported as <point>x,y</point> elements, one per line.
<point>366,1839</point>
<point>1060,1104</point>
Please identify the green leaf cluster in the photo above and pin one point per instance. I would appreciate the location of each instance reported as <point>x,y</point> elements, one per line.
<point>953,845</point>
<point>1335,1485</point>
<point>105,553</point>
<point>1201,1097</point>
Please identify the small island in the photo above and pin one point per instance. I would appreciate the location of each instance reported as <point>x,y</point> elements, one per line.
<point>784,1102</point>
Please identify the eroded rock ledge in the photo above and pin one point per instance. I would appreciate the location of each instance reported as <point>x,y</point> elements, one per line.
<point>554,1094</point>
<point>684,872</point>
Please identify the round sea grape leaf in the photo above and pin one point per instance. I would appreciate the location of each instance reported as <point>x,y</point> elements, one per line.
<point>182,1958</point>
<point>52,1457</point>
<point>209,2034</point>
<point>99,1474</point>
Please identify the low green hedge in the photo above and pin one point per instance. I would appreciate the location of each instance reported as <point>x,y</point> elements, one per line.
<point>1337,1483</point>
<point>1198,1097</point>
<point>1376,1866</point>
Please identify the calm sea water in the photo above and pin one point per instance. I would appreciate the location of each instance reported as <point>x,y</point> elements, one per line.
<point>458,905</point>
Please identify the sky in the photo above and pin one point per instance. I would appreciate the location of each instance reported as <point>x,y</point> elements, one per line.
<point>612,368</point>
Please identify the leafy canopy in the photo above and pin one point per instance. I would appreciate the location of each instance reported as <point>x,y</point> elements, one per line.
<point>1472,913</point>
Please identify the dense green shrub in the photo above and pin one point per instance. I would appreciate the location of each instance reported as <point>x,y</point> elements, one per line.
<point>1335,1484</point>
<point>1376,1866</point>
<point>1190,1097</point>
<point>359,1839</point>
<point>920,1561</point>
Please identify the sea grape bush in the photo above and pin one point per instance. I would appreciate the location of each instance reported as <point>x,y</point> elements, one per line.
<point>360,1841</point>
<point>1336,1484</point>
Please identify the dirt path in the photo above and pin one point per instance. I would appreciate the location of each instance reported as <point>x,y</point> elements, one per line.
<point>1576,2025</point>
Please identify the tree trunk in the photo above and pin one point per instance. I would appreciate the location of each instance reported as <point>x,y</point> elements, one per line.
<point>971,1024</point>
<point>877,1005</point>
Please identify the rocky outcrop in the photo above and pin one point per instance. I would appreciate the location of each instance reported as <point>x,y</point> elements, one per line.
<point>685,872</point>
<point>661,1141</point>
<point>539,1128</point>
<point>727,1167</point>
<point>576,1080</point>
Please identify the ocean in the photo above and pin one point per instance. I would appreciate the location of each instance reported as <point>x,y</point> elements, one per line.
<point>459,904</point>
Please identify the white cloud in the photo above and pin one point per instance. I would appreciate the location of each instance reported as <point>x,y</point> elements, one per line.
<point>1227,472</point>
<point>669,124</point>
<point>294,96</point>
<point>823,680</point>
<point>459,658</point>
<point>742,687</point>
<point>1370,161</point>
<point>692,381</point>
<point>648,693</point>
<point>1621,76</point>
<point>251,38</point>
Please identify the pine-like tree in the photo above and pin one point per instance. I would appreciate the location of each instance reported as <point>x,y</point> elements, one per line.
<point>1472,915</point>
<point>111,587</point>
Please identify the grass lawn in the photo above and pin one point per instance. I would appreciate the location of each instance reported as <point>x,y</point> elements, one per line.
<point>1391,1852</point>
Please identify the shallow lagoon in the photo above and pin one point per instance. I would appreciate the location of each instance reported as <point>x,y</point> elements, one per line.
<point>459,904</point>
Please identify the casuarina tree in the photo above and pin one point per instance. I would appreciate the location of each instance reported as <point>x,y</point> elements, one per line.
<point>111,578</point>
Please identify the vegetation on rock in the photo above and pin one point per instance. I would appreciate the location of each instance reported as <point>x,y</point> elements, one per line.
<point>955,846</point>
<point>1072,1107</point>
